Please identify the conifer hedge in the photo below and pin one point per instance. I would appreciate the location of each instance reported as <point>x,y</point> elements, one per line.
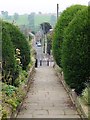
<point>76,52</point>
<point>8,60</point>
<point>13,39</point>
<point>19,41</point>
<point>58,34</point>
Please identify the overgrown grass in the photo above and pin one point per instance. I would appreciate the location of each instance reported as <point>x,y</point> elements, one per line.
<point>86,96</point>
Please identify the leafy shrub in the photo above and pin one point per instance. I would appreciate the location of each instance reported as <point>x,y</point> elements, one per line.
<point>19,41</point>
<point>9,89</point>
<point>4,115</point>
<point>86,95</point>
<point>75,52</point>
<point>11,98</point>
<point>13,39</point>
<point>13,102</point>
<point>58,34</point>
<point>21,78</point>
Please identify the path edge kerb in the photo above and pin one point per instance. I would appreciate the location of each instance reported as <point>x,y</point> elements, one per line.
<point>28,82</point>
<point>70,92</point>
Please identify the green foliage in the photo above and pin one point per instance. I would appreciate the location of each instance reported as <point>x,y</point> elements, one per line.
<point>75,52</point>
<point>4,115</point>
<point>13,102</point>
<point>49,43</point>
<point>11,97</point>
<point>30,37</point>
<point>13,39</point>
<point>8,89</point>
<point>86,96</point>
<point>58,34</point>
<point>21,78</point>
<point>19,41</point>
<point>45,27</point>
<point>8,59</point>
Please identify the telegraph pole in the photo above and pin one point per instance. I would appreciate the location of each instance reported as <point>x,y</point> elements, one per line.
<point>57,11</point>
<point>44,37</point>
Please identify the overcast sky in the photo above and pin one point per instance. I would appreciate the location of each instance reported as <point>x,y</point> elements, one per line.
<point>44,6</point>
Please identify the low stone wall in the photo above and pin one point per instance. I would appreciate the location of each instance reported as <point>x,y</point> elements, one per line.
<point>71,93</point>
<point>26,88</point>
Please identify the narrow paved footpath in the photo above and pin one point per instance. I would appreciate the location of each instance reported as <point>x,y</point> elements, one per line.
<point>47,98</point>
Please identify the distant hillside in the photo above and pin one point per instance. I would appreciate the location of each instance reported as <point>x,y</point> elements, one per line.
<point>22,19</point>
<point>38,19</point>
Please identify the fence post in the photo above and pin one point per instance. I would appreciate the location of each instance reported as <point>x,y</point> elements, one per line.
<point>36,63</point>
<point>40,62</point>
<point>47,62</point>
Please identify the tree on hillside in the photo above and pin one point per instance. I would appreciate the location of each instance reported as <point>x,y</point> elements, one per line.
<point>45,26</point>
<point>31,19</point>
<point>4,14</point>
<point>16,16</point>
<point>39,12</point>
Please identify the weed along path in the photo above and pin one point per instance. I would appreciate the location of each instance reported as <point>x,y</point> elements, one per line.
<point>47,98</point>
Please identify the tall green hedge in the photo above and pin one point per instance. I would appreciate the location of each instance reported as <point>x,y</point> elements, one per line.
<point>76,52</point>
<point>8,60</point>
<point>19,41</point>
<point>58,34</point>
<point>12,39</point>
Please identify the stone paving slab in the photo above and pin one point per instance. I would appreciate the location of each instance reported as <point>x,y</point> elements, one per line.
<point>47,97</point>
<point>67,117</point>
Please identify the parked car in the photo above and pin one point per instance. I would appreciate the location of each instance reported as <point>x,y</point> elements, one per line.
<point>38,44</point>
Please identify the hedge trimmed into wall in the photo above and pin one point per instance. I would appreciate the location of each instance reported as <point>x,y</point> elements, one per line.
<point>13,40</point>
<point>58,34</point>
<point>8,60</point>
<point>75,52</point>
<point>19,41</point>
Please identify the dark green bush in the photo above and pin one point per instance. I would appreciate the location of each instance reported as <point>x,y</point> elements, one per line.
<point>49,43</point>
<point>8,59</point>
<point>20,42</point>
<point>75,52</point>
<point>12,39</point>
<point>58,34</point>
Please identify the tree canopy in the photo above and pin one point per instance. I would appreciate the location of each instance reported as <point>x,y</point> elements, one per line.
<point>45,27</point>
